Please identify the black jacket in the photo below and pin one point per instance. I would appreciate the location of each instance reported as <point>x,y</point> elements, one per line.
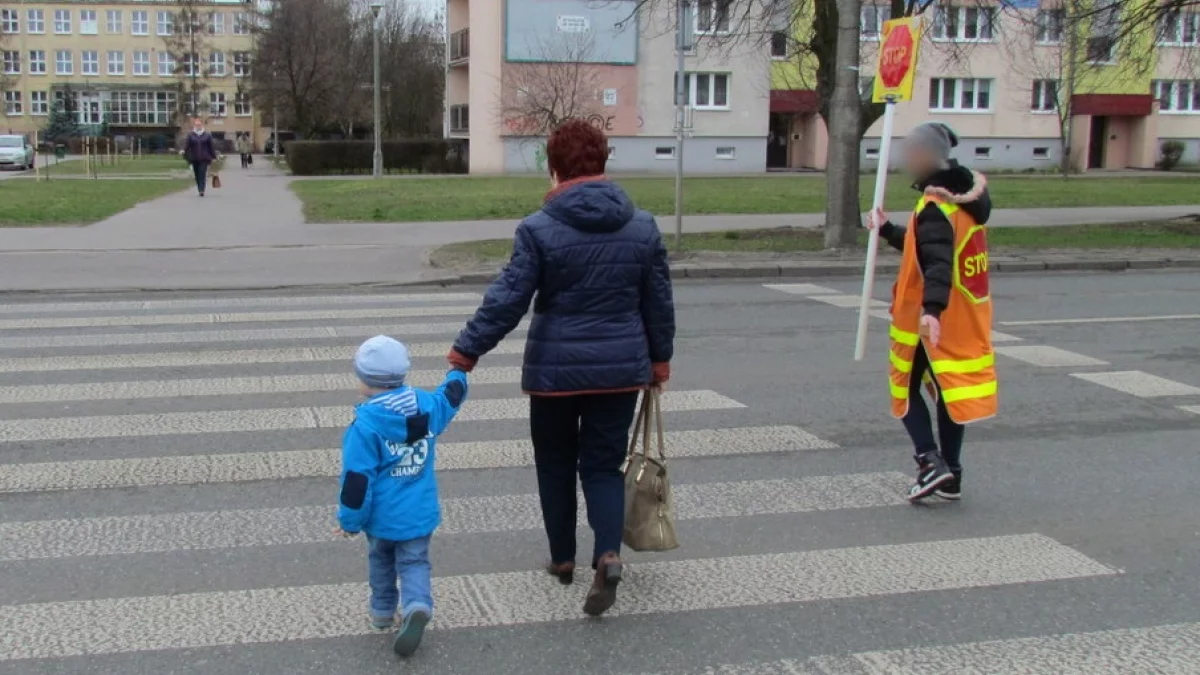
<point>935,236</point>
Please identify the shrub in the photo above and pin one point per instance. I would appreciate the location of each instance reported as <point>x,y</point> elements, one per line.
<point>316,158</point>
<point>1172,155</point>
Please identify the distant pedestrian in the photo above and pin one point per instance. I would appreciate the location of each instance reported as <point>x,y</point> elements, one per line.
<point>199,151</point>
<point>603,330</point>
<point>388,487</point>
<point>243,149</point>
<point>941,309</point>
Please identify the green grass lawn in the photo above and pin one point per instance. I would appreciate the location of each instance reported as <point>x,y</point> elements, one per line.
<point>463,198</point>
<point>28,203</point>
<point>156,165</point>
<point>1181,234</point>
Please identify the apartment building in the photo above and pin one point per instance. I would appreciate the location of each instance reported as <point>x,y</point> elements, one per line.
<point>117,65</point>
<point>997,76</point>
<point>516,64</point>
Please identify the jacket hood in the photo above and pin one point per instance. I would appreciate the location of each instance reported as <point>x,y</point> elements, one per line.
<point>593,206</point>
<point>388,414</point>
<point>960,186</point>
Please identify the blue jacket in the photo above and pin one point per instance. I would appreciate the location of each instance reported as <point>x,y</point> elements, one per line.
<point>388,455</point>
<point>603,311</point>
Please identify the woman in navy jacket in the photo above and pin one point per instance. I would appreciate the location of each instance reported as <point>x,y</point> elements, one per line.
<point>603,330</point>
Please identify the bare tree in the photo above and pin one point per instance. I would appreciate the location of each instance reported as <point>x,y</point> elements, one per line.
<point>559,84</point>
<point>414,76</point>
<point>189,46</point>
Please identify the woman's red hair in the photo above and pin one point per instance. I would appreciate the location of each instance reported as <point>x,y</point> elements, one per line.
<point>576,149</point>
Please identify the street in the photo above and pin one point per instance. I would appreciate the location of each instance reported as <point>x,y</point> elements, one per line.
<point>168,470</point>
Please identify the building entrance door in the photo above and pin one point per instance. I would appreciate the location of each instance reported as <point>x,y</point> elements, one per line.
<point>777,140</point>
<point>1098,142</point>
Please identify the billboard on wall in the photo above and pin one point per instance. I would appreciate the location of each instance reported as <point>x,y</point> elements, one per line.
<point>584,31</point>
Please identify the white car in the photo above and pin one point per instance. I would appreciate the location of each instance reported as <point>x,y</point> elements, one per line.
<point>15,151</point>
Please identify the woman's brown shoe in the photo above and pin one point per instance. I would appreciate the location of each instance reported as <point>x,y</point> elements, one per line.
<point>565,571</point>
<point>603,593</point>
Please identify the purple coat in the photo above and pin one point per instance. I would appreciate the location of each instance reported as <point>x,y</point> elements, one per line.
<point>199,148</point>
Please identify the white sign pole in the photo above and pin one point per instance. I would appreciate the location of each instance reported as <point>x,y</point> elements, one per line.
<point>885,150</point>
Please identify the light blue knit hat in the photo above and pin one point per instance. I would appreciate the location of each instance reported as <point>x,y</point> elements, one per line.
<point>382,362</point>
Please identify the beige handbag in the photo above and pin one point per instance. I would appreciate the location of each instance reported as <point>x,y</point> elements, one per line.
<point>649,508</point>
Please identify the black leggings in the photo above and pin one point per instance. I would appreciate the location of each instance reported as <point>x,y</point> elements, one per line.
<point>201,171</point>
<point>919,424</point>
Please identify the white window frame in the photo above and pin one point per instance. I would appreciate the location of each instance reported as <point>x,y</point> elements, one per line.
<point>62,22</point>
<point>670,154</point>
<point>241,105</point>
<point>12,61</point>
<point>59,62</point>
<point>217,105</point>
<point>89,23</point>
<point>10,21</point>
<point>114,22</point>
<point>12,102</point>
<point>1044,96</point>
<point>730,152</point>
<point>166,64</point>
<point>713,17</point>
<point>216,23</point>
<point>1051,26</point>
<point>37,62</point>
<point>115,66</point>
<point>139,22</point>
<point>1174,92</point>
<point>93,62</point>
<point>1179,29</point>
<point>35,22</point>
<point>142,66</point>
<point>165,23</point>
<point>870,21</point>
<point>242,63</point>
<point>241,23</point>
<point>978,87</point>
<point>692,90</point>
<point>945,30</point>
<point>1044,153</point>
<point>39,103</point>
<point>217,65</point>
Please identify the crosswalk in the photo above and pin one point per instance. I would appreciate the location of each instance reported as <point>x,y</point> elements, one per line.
<point>167,493</point>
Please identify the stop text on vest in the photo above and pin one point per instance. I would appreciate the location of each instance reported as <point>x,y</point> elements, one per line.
<point>975,264</point>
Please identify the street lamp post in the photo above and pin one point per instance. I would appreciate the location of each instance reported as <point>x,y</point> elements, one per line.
<point>377,168</point>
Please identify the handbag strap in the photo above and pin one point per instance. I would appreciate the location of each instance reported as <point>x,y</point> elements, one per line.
<point>641,428</point>
<point>655,397</point>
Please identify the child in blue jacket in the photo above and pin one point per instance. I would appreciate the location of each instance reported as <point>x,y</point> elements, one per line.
<point>388,488</point>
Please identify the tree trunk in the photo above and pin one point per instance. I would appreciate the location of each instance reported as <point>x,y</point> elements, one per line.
<point>843,119</point>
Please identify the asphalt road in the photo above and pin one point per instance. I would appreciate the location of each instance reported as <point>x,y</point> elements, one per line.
<point>166,494</point>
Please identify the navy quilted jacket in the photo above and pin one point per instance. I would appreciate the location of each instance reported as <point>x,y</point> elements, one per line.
<point>603,311</point>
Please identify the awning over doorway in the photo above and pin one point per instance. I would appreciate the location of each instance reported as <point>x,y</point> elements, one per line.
<point>1112,105</point>
<point>795,101</point>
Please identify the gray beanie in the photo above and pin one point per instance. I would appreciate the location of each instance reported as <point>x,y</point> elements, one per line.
<point>935,137</point>
<point>382,363</point>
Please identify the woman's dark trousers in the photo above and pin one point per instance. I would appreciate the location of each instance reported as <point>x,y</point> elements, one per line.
<point>586,434</point>
<point>201,171</point>
<point>919,425</point>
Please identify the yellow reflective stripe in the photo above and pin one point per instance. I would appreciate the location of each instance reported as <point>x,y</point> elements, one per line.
<point>964,366</point>
<point>948,209</point>
<point>903,337</point>
<point>899,363</point>
<point>899,392</point>
<point>974,391</point>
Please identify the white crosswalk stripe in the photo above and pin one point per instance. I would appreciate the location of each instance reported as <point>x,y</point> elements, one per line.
<point>140,467</point>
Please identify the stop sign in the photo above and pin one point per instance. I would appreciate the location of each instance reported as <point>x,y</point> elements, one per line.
<point>895,56</point>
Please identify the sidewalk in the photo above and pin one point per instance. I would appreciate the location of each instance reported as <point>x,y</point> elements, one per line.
<point>251,233</point>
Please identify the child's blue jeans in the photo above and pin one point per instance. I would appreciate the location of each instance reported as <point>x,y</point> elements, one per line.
<point>407,560</point>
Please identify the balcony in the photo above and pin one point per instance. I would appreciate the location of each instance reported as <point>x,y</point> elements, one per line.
<point>460,119</point>
<point>460,46</point>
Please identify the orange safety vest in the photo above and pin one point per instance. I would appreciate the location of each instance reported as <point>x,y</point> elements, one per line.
<point>963,363</point>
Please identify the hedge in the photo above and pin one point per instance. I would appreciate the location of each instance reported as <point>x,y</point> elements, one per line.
<point>315,158</point>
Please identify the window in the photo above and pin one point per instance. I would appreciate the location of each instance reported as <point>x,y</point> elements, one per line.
<point>88,25</point>
<point>166,23</point>
<point>216,104</point>
<point>664,152</point>
<point>712,16</point>
<point>460,118</point>
<point>1177,96</point>
<point>37,62</point>
<point>779,44</point>
<point>1045,96</point>
<point>1178,29</point>
<point>166,64</point>
<point>191,65</point>
<point>35,21</point>
<point>12,63</point>
<point>612,152</point>
<point>12,103</point>
<point>216,64</point>
<point>707,91</point>
<point>143,108</point>
<point>1106,26</point>
<point>726,152</point>
<point>64,63</point>
<point>1041,152</point>
<point>39,103</point>
<point>216,23</point>
<point>141,63</point>
<point>114,22</point>
<point>139,22</point>
<point>872,18</point>
<point>983,152</point>
<point>62,22</point>
<point>89,63</point>
<point>10,21</point>
<point>241,24</point>
<point>960,94</point>
<point>873,152</point>
<point>241,104</point>
<point>1050,26</point>
<point>972,24</point>
<point>241,64</point>
<point>116,63</point>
